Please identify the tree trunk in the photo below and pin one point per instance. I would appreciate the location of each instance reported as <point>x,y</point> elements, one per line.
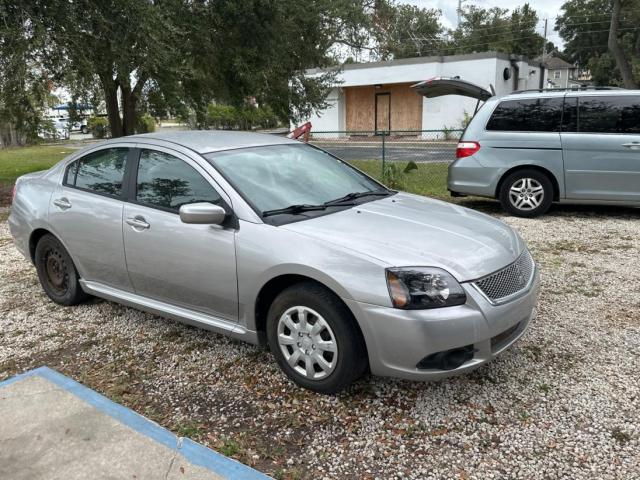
<point>614,47</point>
<point>110,88</point>
<point>129,101</point>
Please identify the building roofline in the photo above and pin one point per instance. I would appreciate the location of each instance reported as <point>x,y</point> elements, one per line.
<point>422,60</point>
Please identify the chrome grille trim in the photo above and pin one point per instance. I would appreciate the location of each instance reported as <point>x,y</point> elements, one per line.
<point>509,282</point>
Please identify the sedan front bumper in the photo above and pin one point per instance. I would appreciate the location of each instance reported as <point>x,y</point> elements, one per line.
<point>397,340</point>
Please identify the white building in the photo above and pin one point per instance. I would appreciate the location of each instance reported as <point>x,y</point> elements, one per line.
<point>377,96</point>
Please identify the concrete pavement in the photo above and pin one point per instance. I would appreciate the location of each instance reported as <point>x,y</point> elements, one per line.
<point>55,428</point>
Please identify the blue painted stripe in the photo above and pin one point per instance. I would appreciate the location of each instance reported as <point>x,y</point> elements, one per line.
<point>193,452</point>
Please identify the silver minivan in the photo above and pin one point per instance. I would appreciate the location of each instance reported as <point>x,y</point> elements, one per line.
<point>532,148</point>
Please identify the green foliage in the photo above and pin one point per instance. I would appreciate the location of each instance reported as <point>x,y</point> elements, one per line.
<point>228,117</point>
<point>584,27</point>
<point>99,127</point>
<point>394,174</point>
<point>182,55</point>
<point>400,29</point>
<point>146,124</point>
<point>497,29</point>
<point>466,119</point>
<point>23,89</point>
<point>448,132</point>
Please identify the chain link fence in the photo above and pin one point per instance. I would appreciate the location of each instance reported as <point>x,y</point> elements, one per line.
<point>385,155</point>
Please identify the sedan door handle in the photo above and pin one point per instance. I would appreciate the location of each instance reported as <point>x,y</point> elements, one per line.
<point>62,203</point>
<point>138,222</point>
<point>632,145</point>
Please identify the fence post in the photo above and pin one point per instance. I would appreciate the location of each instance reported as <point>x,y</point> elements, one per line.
<point>384,134</point>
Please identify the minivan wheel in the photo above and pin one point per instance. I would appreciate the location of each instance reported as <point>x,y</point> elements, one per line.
<point>526,193</point>
<point>314,339</point>
<point>57,273</point>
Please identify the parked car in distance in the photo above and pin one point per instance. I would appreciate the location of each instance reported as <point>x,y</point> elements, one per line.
<point>532,148</point>
<point>56,130</point>
<point>276,242</point>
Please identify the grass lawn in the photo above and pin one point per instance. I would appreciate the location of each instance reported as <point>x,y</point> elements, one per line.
<point>18,161</point>
<point>430,179</point>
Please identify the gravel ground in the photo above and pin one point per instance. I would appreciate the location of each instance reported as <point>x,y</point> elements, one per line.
<point>563,403</point>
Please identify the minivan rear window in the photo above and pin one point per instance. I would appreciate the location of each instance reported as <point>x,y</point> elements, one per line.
<point>605,114</point>
<point>527,115</point>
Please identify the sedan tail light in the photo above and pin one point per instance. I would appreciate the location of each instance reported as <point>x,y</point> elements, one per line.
<point>466,149</point>
<point>13,192</point>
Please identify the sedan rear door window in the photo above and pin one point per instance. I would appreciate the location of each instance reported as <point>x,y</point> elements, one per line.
<point>99,172</point>
<point>527,115</point>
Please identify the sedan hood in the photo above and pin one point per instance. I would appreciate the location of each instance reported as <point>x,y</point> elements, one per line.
<point>411,230</point>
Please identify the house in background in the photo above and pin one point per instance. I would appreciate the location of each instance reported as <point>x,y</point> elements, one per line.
<point>561,74</point>
<point>375,97</point>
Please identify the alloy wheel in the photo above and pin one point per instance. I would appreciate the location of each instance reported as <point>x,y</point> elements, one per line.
<point>307,342</point>
<point>526,194</point>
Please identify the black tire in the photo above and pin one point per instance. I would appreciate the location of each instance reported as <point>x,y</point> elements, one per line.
<point>509,199</point>
<point>84,129</point>
<point>57,273</point>
<point>351,352</point>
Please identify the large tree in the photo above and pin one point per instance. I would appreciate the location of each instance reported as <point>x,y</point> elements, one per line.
<point>497,29</point>
<point>402,31</point>
<point>178,54</point>
<point>591,42</point>
<point>23,87</point>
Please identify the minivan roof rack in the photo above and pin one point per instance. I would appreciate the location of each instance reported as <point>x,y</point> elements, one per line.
<point>568,89</point>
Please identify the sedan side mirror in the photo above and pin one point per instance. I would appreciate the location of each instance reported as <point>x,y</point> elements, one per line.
<point>202,213</point>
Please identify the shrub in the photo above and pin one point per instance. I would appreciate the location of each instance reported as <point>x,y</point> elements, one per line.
<point>228,117</point>
<point>99,127</point>
<point>394,175</point>
<point>146,124</point>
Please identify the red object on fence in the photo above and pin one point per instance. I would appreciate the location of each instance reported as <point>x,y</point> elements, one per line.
<point>302,131</point>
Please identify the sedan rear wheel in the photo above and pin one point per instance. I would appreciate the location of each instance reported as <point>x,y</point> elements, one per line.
<point>315,339</point>
<point>57,273</point>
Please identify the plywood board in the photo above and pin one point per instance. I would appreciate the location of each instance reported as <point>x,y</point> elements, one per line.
<point>405,105</point>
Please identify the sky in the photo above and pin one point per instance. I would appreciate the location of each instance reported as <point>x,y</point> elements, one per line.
<point>545,9</point>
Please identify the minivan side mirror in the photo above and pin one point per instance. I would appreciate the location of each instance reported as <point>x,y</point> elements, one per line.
<point>203,213</point>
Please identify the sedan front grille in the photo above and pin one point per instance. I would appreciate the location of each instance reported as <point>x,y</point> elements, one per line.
<point>508,282</point>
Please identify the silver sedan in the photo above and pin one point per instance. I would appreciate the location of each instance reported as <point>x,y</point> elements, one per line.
<point>276,242</point>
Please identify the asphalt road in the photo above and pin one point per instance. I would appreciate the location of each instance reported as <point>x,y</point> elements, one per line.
<point>418,152</point>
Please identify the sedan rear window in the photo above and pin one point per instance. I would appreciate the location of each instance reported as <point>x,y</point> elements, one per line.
<point>527,115</point>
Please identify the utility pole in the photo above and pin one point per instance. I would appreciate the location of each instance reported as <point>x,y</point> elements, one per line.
<point>544,44</point>
<point>544,53</point>
<point>459,11</point>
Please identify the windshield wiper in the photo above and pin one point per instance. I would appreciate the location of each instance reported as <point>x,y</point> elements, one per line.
<point>354,195</point>
<point>293,209</point>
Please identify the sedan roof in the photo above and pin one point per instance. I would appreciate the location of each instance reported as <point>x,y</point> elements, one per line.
<point>207,141</point>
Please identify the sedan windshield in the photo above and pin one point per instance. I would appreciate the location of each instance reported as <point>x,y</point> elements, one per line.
<point>291,179</point>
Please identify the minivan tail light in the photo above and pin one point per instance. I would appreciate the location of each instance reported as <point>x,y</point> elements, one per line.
<point>466,149</point>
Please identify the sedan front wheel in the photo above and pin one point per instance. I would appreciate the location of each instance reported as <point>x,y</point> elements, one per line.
<point>315,339</point>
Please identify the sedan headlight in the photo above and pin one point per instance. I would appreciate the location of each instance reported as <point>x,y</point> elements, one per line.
<point>413,288</point>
